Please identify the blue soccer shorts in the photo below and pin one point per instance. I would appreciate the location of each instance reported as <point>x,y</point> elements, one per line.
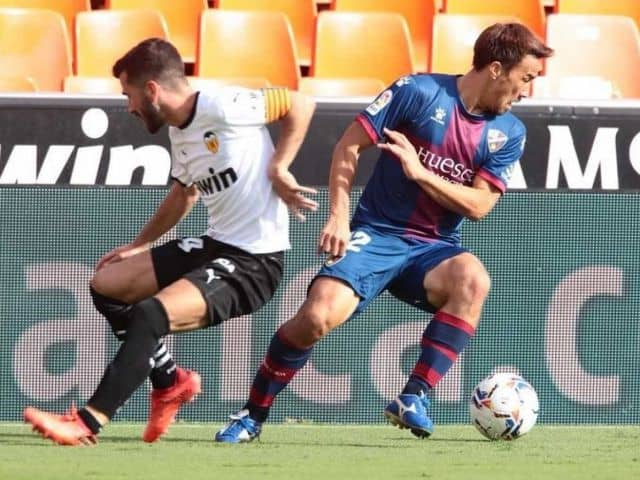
<point>375,262</point>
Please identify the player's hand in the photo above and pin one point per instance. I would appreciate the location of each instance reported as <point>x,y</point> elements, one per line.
<point>119,254</point>
<point>402,148</point>
<point>288,189</point>
<point>334,237</point>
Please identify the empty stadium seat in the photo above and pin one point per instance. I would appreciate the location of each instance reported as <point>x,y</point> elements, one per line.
<point>301,14</point>
<point>454,37</point>
<point>265,48</point>
<point>92,85</point>
<point>103,36</point>
<point>627,8</point>
<point>341,87</point>
<point>202,83</point>
<point>182,19</point>
<point>605,46</point>
<point>17,84</point>
<point>418,14</point>
<point>67,8</point>
<point>530,12</point>
<point>362,44</point>
<point>34,43</point>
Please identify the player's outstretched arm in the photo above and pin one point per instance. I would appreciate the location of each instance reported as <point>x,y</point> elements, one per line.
<point>334,237</point>
<point>178,203</point>
<point>293,128</point>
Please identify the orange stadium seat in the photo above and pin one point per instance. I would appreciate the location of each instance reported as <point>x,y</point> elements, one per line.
<point>530,12</point>
<point>17,84</point>
<point>202,83</point>
<point>454,37</point>
<point>362,44</point>
<point>301,14</point>
<point>418,14</point>
<point>103,36</point>
<point>606,46</point>
<point>67,8</point>
<point>627,8</point>
<point>35,43</point>
<point>341,87</point>
<point>92,85</point>
<point>265,48</point>
<point>182,19</point>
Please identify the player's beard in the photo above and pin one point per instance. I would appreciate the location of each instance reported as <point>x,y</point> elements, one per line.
<point>151,116</point>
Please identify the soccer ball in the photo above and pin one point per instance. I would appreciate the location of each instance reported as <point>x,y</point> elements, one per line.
<point>503,406</point>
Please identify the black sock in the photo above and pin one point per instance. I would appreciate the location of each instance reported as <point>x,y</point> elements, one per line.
<point>132,364</point>
<point>259,414</point>
<point>163,374</point>
<point>90,421</point>
<point>415,386</point>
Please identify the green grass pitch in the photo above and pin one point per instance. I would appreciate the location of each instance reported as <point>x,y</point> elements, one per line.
<point>327,452</point>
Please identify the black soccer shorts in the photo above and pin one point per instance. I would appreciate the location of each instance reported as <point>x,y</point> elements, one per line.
<point>233,282</point>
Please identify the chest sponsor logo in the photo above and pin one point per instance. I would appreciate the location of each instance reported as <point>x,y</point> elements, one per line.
<point>217,181</point>
<point>446,167</point>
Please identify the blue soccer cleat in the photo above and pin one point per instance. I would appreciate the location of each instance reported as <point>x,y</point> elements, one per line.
<point>242,428</point>
<point>410,411</point>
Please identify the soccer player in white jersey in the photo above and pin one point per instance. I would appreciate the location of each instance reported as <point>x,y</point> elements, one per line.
<point>221,152</point>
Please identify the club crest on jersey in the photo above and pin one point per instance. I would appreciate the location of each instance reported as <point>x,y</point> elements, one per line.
<point>496,139</point>
<point>211,141</point>
<point>380,102</point>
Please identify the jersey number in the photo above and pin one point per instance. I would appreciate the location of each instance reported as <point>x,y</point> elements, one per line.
<point>358,239</point>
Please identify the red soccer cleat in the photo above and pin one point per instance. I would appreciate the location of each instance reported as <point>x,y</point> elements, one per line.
<point>166,402</point>
<point>67,429</point>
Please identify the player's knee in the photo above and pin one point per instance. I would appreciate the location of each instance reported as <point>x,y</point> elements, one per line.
<point>313,323</point>
<point>471,280</point>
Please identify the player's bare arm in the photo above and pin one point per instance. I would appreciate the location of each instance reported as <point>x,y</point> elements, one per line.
<point>175,206</point>
<point>473,202</point>
<point>334,237</point>
<point>294,125</point>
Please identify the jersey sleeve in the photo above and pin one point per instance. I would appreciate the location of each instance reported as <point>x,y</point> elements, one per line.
<point>398,104</point>
<point>178,171</point>
<point>241,106</point>
<point>499,166</point>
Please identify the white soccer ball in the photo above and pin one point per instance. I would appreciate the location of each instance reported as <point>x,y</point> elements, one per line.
<point>504,406</point>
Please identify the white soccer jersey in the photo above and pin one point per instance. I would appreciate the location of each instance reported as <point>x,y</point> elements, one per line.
<point>225,150</point>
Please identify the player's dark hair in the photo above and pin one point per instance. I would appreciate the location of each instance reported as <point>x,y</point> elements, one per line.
<point>152,59</point>
<point>507,43</point>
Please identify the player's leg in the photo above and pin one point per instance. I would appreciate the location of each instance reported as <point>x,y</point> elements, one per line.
<point>330,302</point>
<point>455,289</point>
<point>340,289</point>
<point>179,307</point>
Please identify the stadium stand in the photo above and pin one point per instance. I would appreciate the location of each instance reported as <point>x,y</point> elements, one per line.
<point>606,39</point>
<point>182,19</point>
<point>418,14</point>
<point>67,8</point>
<point>453,39</point>
<point>103,36</point>
<point>43,51</point>
<point>265,48</point>
<point>301,14</point>
<point>362,44</point>
<point>92,85</point>
<point>530,12</point>
<point>341,87</point>
<point>17,84</point>
<point>201,83</point>
<point>627,8</point>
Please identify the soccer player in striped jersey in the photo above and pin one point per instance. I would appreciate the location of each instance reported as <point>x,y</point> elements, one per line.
<point>223,154</point>
<point>447,146</point>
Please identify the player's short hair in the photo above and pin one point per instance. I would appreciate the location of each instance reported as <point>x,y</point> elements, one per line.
<point>507,43</point>
<point>152,59</point>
